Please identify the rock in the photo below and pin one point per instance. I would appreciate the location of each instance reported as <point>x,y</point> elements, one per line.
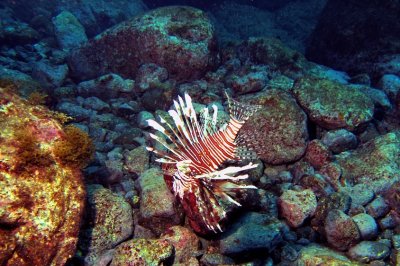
<point>272,52</point>
<point>75,111</point>
<point>142,252</point>
<point>248,80</point>
<point>24,83</point>
<point>17,33</point>
<point>150,76</point>
<point>317,154</point>
<point>375,163</point>
<point>99,15</point>
<point>69,32</point>
<point>314,255</point>
<point>48,75</point>
<point>341,231</point>
<point>137,160</point>
<point>378,208</point>
<point>361,195</point>
<point>390,84</point>
<point>42,196</point>
<point>96,104</point>
<point>252,232</point>
<point>157,204</point>
<point>186,243</point>
<point>110,218</point>
<point>142,118</point>
<point>296,206</point>
<point>378,97</point>
<point>367,251</point>
<point>366,225</point>
<point>105,87</point>
<point>332,105</point>
<point>339,140</point>
<point>215,259</point>
<point>155,37</point>
<point>278,131</point>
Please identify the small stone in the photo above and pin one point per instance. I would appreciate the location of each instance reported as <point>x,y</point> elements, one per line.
<point>361,195</point>
<point>341,231</point>
<point>296,206</point>
<point>157,204</point>
<point>366,225</point>
<point>185,242</point>
<point>396,241</point>
<point>367,251</point>
<point>216,259</point>
<point>378,207</point>
<point>142,252</point>
<point>339,140</point>
<point>69,32</point>
<point>142,118</point>
<point>317,154</point>
<point>137,160</point>
<point>391,220</point>
<point>252,232</point>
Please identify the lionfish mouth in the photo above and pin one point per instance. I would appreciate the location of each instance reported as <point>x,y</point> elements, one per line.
<point>194,150</point>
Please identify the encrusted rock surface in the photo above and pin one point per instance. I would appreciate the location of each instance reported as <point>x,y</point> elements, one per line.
<point>179,38</point>
<point>41,198</point>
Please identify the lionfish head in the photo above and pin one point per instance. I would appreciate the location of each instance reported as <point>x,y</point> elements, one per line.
<point>195,148</point>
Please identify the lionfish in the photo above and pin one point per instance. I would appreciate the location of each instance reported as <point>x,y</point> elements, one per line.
<point>195,149</point>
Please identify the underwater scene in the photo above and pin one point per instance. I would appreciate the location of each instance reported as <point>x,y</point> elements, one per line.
<point>199,133</point>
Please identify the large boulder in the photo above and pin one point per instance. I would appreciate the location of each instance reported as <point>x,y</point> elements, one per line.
<point>179,38</point>
<point>41,187</point>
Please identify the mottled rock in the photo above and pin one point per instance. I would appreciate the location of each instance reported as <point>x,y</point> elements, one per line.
<point>339,140</point>
<point>142,118</point>
<point>186,243</point>
<point>215,259</point>
<point>150,76</point>
<point>24,83</point>
<point>375,163</point>
<point>367,251</point>
<point>17,33</point>
<point>317,154</point>
<point>105,87</point>
<point>142,252</point>
<point>69,32</point>
<point>48,75</point>
<point>246,81</point>
<point>390,84</point>
<point>137,160</point>
<point>75,111</point>
<point>99,15</point>
<point>41,195</point>
<point>180,39</point>
<point>341,231</point>
<point>333,105</point>
<point>278,131</point>
<point>252,232</point>
<point>157,203</point>
<point>110,218</point>
<point>314,255</point>
<point>360,194</point>
<point>96,104</point>
<point>296,206</point>
<point>366,225</point>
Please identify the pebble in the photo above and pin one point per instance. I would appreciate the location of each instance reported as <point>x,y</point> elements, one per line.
<point>366,225</point>
<point>367,251</point>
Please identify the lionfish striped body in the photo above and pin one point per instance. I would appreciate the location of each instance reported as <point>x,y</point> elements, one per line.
<point>195,152</point>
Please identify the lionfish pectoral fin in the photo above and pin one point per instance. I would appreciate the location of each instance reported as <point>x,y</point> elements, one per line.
<point>241,111</point>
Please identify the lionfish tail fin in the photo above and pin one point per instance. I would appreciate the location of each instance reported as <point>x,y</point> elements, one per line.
<point>241,111</point>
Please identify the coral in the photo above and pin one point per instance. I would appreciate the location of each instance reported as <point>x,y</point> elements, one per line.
<point>76,149</point>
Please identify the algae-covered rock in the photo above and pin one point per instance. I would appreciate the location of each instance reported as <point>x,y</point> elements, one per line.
<point>142,252</point>
<point>278,132</point>
<point>41,197</point>
<point>333,105</point>
<point>314,255</point>
<point>178,38</point>
<point>112,221</point>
